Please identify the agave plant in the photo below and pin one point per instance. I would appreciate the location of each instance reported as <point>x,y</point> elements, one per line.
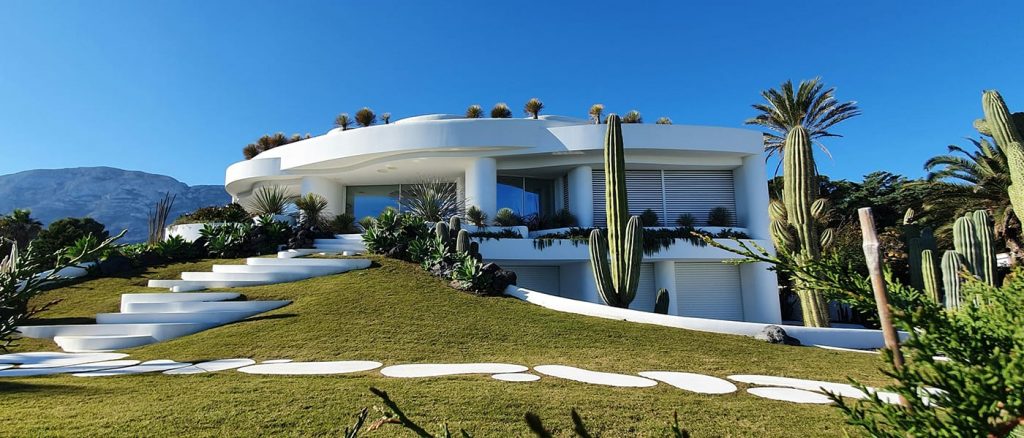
<point>633,116</point>
<point>595,113</point>
<point>474,112</point>
<point>269,200</point>
<point>312,208</point>
<point>500,111</point>
<point>433,199</point>
<point>533,107</point>
<point>366,117</point>
<point>663,121</point>
<point>343,121</point>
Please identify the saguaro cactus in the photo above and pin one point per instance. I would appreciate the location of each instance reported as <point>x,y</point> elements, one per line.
<point>984,235</point>
<point>929,275</point>
<point>661,302</point>
<point>617,281</point>
<point>965,242</point>
<point>1008,131</point>
<point>952,264</point>
<point>797,219</point>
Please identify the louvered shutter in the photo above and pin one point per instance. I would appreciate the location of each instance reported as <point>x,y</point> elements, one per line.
<point>697,192</point>
<point>543,279</point>
<point>643,189</point>
<point>709,290</point>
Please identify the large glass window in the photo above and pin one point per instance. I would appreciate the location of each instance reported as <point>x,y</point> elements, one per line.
<point>365,201</point>
<point>526,196</point>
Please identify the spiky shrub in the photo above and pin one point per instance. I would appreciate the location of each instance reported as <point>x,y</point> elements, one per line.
<point>1008,131</point>
<point>474,112</point>
<point>269,200</point>
<point>595,113</point>
<point>366,222</point>
<point>366,117</point>
<point>501,111</point>
<point>433,199</point>
<point>476,216</point>
<point>386,118</point>
<point>663,121</point>
<point>506,217</point>
<point>633,116</point>
<point>649,218</point>
<point>312,208</point>
<point>343,121</point>
<point>719,217</point>
<point>157,218</point>
<point>795,221</point>
<point>616,281</point>
<point>564,218</point>
<point>533,107</point>
<point>344,223</point>
<point>661,302</point>
<point>686,220</point>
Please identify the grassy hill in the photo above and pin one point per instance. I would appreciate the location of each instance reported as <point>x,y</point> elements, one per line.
<point>395,313</point>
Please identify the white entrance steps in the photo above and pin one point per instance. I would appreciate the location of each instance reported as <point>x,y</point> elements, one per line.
<point>260,271</point>
<point>145,297</point>
<point>102,342</point>
<point>217,318</point>
<point>159,331</point>
<point>253,307</point>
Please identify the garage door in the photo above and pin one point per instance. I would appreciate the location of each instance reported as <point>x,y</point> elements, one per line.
<point>538,278</point>
<point>645,291</point>
<point>709,290</point>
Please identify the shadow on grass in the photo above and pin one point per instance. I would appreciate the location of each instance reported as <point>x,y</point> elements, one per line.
<point>268,317</point>
<point>24,387</point>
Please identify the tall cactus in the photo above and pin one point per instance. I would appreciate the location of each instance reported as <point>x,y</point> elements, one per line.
<point>455,224</point>
<point>985,234</point>
<point>952,264</point>
<point>462,242</point>
<point>661,302</point>
<point>965,242</point>
<point>929,275</point>
<point>797,219</point>
<point>617,281</point>
<point>1008,131</point>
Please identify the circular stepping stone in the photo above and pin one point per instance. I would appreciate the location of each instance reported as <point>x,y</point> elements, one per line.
<point>516,377</point>
<point>48,359</point>
<point>311,368</point>
<point>698,383</point>
<point>212,366</point>
<point>277,361</point>
<point>451,369</point>
<point>145,367</point>
<point>594,377</point>
<point>80,368</point>
<point>842,389</point>
<point>790,395</point>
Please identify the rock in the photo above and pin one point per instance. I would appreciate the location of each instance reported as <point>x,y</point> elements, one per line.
<point>774,334</point>
<point>115,264</point>
<point>502,280</point>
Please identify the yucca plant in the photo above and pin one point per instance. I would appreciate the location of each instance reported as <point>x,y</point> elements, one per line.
<point>312,208</point>
<point>343,121</point>
<point>533,107</point>
<point>595,113</point>
<point>269,200</point>
<point>633,116</point>
<point>474,112</point>
<point>433,199</point>
<point>366,117</point>
<point>386,118</point>
<point>663,121</point>
<point>500,111</point>
<point>476,216</point>
<point>506,217</point>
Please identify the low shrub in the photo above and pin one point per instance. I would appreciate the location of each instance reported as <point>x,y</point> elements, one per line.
<point>686,220</point>
<point>507,218</point>
<point>476,216</point>
<point>226,214</point>
<point>655,240</point>
<point>496,235</point>
<point>344,223</point>
<point>244,239</point>
<point>64,233</point>
<point>649,218</point>
<point>720,217</point>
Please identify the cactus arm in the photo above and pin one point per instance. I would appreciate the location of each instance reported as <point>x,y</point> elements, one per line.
<point>928,275</point>
<point>599,264</point>
<point>628,277</point>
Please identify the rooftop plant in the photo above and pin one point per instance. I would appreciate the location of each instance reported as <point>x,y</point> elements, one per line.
<point>386,118</point>
<point>500,111</point>
<point>366,117</point>
<point>595,113</point>
<point>343,121</point>
<point>474,112</point>
<point>268,142</point>
<point>633,116</point>
<point>533,107</point>
<point>663,121</point>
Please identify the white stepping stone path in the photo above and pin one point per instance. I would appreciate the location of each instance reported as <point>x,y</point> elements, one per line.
<point>69,369</point>
<point>277,361</point>
<point>841,389</point>
<point>145,367</point>
<point>146,318</point>
<point>312,368</point>
<point>516,377</point>
<point>51,359</point>
<point>450,369</point>
<point>698,383</point>
<point>848,350</point>
<point>212,366</point>
<point>594,377</point>
<point>790,395</point>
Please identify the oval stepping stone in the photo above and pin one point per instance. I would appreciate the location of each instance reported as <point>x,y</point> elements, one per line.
<point>692,382</point>
<point>450,369</point>
<point>790,395</point>
<point>212,366</point>
<point>277,361</point>
<point>48,359</point>
<point>842,389</point>
<point>4,366</point>
<point>145,367</point>
<point>311,368</point>
<point>516,377</point>
<point>80,368</point>
<point>594,377</point>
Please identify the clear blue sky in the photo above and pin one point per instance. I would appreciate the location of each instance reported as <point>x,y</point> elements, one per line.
<point>179,87</point>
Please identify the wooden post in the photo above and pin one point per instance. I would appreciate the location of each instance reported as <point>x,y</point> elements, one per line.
<point>873,258</point>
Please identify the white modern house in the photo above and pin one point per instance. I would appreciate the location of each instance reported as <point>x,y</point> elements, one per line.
<point>540,166</point>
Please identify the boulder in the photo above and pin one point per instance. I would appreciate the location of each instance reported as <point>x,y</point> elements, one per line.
<point>115,264</point>
<point>502,280</point>
<point>774,334</point>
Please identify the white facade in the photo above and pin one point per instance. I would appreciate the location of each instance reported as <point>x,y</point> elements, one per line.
<point>541,166</point>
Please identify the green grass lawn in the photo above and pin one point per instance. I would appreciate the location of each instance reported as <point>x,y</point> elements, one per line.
<point>395,313</point>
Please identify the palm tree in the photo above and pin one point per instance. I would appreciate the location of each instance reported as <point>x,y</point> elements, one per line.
<point>366,117</point>
<point>965,181</point>
<point>474,112</point>
<point>595,113</point>
<point>386,118</point>
<point>20,227</point>
<point>343,121</point>
<point>808,106</point>
<point>533,107</point>
<point>500,111</point>
<point>633,116</point>
<point>663,121</point>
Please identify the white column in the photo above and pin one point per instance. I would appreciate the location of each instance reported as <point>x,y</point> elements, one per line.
<point>581,195</point>
<point>333,191</point>
<point>665,277</point>
<point>482,185</point>
<point>559,189</point>
<point>760,294</point>
<point>751,186</point>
